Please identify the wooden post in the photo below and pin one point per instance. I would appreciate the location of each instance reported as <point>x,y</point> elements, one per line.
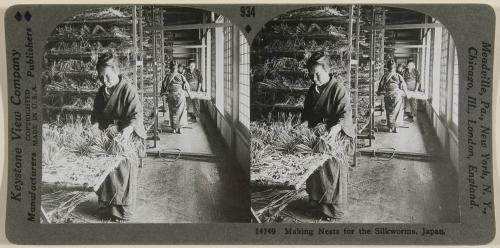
<point>134,42</point>
<point>155,82</point>
<point>349,51</point>
<point>141,55</point>
<point>349,58</point>
<point>162,47</point>
<point>162,59</point>
<point>372,76</point>
<point>356,82</point>
<point>203,54</point>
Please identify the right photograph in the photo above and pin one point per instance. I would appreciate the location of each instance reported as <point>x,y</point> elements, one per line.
<point>354,117</point>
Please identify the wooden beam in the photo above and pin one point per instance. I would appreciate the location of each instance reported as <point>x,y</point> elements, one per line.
<point>401,155</point>
<point>189,26</point>
<point>188,46</point>
<point>172,154</point>
<point>184,53</point>
<point>404,26</point>
<point>404,46</point>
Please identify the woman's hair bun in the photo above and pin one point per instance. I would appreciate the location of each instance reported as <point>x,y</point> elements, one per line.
<point>107,59</point>
<point>318,58</point>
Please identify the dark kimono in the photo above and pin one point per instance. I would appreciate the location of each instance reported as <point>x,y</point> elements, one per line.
<point>328,185</point>
<point>123,108</point>
<point>194,79</point>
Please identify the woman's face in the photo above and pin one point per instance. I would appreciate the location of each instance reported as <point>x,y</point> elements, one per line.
<point>108,76</point>
<point>192,66</point>
<point>319,75</point>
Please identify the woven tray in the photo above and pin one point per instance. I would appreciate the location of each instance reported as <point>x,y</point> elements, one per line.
<point>265,175</point>
<point>79,173</point>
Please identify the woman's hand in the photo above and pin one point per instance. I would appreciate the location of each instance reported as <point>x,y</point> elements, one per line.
<point>126,133</point>
<point>333,132</point>
<point>302,124</point>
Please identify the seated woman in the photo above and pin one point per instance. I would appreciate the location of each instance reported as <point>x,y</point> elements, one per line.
<point>393,87</point>
<point>327,102</point>
<point>176,87</point>
<point>117,103</point>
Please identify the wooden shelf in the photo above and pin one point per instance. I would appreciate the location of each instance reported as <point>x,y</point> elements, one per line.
<point>279,106</point>
<point>72,55</point>
<point>287,53</point>
<point>283,89</point>
<point>318,36</point>
<point>67,109</point>
<point>71,91</point>
<point>76,73</point>
<point>330,19</point>
<point>88,37</point>
<point>115,20</point>
<point>292,73</point>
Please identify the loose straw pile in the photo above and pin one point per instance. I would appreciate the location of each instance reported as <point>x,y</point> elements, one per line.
<point>283,155</point>
<point>76,157</point>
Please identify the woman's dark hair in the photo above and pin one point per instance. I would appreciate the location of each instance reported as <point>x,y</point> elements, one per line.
<point>108,59</point>
<point>318,58</point>
<point>390,64</point>
<point>191,61</point>
<point>172,65</point>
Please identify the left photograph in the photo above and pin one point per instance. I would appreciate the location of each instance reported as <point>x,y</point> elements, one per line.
<point>146,118</point>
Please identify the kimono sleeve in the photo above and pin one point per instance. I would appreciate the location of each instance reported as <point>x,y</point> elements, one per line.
<point>96,116</point>
<point>340,112</point>
<point>308,106</point>
<point>132,111</point>
<point>200,77</point>
<point>381,85</point>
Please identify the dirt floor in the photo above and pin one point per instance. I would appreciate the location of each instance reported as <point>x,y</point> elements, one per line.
<point>383,190</point>
<point>185,190</point>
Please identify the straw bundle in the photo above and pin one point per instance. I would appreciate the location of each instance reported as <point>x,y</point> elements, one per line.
<point>288,143</point>
<point>77,157</point>
<point>284,154</point>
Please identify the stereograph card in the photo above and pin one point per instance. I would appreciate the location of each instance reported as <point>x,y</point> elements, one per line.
<point>250,124</point>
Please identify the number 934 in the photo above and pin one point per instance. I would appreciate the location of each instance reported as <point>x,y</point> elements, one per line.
<point>247,11</point>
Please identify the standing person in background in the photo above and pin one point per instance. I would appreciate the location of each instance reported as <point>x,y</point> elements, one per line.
<point>412,78</point>
<point>117,103</point>
<point>176,87</point>
<point>195,79</point>
<point>401,69</point>
<point>392,85</point>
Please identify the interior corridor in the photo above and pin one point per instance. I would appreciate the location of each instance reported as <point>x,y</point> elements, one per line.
<point>397,190</point>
